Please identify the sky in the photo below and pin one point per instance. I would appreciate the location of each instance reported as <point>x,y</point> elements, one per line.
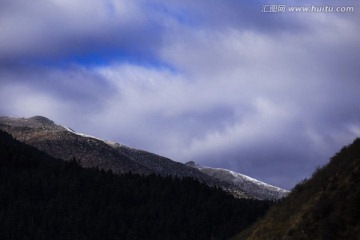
<point>232,84</point>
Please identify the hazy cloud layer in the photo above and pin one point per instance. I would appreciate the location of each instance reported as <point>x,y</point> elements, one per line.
<point>220,83</point>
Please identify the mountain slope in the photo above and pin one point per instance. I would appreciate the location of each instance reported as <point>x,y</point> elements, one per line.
<point>62,142</point>
<point>327,206</point>
<point>46,198</point>
<point>251,186</point>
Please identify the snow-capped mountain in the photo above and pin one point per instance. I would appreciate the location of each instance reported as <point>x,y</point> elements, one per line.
<point>251,186</point>
<point>64,143</point>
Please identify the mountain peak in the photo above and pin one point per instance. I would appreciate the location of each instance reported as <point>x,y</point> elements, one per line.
<point>42,120</point>
<point>32,122</point>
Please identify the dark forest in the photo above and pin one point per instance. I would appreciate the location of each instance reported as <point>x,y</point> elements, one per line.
<point>46,198</point>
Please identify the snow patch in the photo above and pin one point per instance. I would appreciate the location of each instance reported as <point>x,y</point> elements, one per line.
<point>111,144</point>
<point>250,185</point>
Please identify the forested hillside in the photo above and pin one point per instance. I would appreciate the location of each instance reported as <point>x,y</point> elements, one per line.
<point>327,206</point>
<point>46,198</point>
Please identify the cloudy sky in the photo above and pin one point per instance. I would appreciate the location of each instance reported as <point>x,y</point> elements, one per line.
<point>268,94</point>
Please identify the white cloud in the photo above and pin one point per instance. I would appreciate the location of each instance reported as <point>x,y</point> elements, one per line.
<point>24,101</point>
<point>228,90</point>
<point>265,121</point>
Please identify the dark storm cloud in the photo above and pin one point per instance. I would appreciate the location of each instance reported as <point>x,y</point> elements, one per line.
<point>64,30</point>
<point>217,82</point>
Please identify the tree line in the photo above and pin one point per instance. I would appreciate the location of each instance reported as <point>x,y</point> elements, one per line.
<point>46,198</point>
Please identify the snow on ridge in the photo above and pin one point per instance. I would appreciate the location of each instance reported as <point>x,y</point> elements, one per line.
<point>67,128</point>
<point>111,144</point>
<point>239,176</point>
<point>235,174</point>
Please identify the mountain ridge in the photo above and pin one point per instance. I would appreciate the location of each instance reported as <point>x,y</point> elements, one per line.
<point>64,143</point>
<point>256,188</point>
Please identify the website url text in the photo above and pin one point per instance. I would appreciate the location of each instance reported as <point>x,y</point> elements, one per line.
<point>313,8</point>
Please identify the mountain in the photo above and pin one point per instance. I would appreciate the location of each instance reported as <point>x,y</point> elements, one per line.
<point>46,198</point>
<point>251,186</point>
<point>326,206</point>
<point>64,143</point>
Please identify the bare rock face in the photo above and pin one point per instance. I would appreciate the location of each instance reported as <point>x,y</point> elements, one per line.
<point>64,143</point>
